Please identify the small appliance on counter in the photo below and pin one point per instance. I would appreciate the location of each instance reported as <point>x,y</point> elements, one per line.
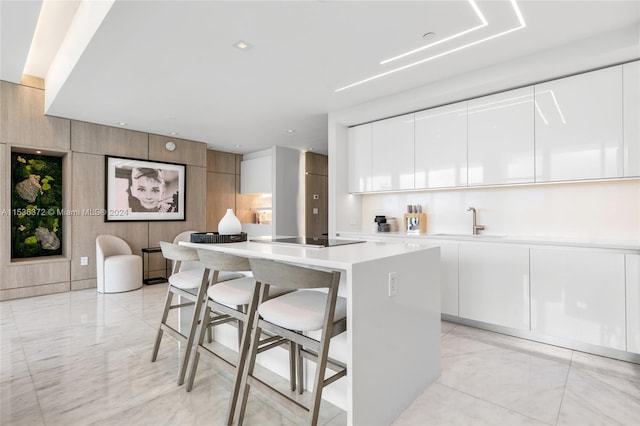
<point>381,224</point>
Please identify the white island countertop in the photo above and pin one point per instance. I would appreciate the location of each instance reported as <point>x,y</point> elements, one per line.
<point>392,343</point>
<point>339,257</point>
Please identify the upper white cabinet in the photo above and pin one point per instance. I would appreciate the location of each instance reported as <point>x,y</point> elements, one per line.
<point>631,107</point>
<point>579,295</point>
<point>392,153</point>
<point>500,139</point>
<point>441,147</point>
<point>360,158</point>
<point>494,284</point>
<point>632,262</point>
<point>579,127</point>
<point>255,175</point>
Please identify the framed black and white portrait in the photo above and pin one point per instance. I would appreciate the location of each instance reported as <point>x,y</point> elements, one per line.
<point>139,190</point>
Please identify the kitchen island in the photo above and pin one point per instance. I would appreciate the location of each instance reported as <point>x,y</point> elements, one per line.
<point>392,343</point>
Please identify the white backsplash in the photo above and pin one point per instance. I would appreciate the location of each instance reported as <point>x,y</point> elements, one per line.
<point>598,210</point>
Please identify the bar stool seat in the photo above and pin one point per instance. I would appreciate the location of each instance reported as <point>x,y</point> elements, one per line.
<point>301,310</point>
<point>191,278</point>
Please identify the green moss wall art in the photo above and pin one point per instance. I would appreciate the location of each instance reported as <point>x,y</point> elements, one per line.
<point>36,205</point>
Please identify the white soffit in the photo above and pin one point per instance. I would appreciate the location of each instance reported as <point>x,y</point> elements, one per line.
<point>18,21</point>
<point>86,22</point>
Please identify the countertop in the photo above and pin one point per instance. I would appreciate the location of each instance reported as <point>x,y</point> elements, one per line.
<point>339,257</point>
<point>630,246</point>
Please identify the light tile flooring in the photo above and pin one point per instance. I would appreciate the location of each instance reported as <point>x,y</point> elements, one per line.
<point>82,358</point>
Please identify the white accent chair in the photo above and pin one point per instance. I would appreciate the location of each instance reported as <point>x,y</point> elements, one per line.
<point>118,269</point>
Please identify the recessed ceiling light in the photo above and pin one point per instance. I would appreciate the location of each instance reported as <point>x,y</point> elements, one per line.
<point>242,45</point>
<point>309,149</point>
<point>122,123</point>
<point>290,130</point>
<point>237,146</point>
<point>38,152</point>
<point>428,35</point>
<point>173,133</point>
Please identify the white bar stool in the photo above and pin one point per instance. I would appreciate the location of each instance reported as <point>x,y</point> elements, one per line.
<point>289,316</point>
<point>227,302</point>
<point>191,284</point>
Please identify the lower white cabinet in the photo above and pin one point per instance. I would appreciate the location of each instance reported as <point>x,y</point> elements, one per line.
<point>448,277</point>
<point>632,263</point>
<point>579,295</point>
<point>494,284</point>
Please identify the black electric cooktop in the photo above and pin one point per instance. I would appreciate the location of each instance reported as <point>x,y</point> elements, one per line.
<point>308,241</point>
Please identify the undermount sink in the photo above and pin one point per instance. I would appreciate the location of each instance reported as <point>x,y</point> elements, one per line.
<point>468,235</point>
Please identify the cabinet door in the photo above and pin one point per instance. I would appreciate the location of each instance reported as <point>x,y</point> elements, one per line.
<point>359,171</point>
<point>441,147</point>
<point>579,295</point>
<point>494,284</point>
<point>632,263</point>
<point>631,107</point>
<point>501,138</point>
<point>579,127</point>
<point>256,175</point>
<point>392,153</point>
<point>449,278</point>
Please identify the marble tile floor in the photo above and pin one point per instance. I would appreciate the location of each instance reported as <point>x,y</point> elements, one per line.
<point>83,358</point>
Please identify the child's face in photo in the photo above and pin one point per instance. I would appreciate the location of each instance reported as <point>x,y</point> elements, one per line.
<point>148,191</point>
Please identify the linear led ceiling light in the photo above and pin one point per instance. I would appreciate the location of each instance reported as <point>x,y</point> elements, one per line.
<point>483,23</point>
<point>520,20</point>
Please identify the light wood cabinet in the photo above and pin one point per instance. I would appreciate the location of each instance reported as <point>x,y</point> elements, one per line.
<point>579,295</point>
<point>441,147</point>
<point>579,127</point>
<point>359,153</point>
<point>392,153</point>
<point>500,138</point>
<point>631,108</point>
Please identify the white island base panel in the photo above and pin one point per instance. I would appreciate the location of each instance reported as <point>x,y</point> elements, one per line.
<point>392,343</point>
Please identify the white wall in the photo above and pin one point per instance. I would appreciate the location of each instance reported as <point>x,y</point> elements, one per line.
<point>603,210</point>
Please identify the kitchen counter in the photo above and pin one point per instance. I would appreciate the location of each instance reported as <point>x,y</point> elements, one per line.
<point>627,246</point>
<point>392,343</point>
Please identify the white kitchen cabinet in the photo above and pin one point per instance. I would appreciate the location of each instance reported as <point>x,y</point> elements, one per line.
<point>632,263</point>
<point>500,138</point>
<point>578,124</point>
<point>494,284</point>
<point>449,278</point>
<point>256,176</point>
<point>359,152</point>
<point>631,108</point>
<point>392,164</point>
<point>579,295</point>
<point>441,147</point>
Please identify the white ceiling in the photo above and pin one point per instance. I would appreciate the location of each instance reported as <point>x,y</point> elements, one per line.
<point>170,66</point>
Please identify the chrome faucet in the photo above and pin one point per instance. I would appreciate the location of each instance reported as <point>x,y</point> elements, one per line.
<point>476,228</point>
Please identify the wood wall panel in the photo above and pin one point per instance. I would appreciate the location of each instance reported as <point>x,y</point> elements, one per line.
<point>316,164</point>
<point>222,162</point>
<point>28,273</point>
<point>105,140</point>
<point>220,197</point>
<point>37,290</point>
<point>24,122</point>
<point>186,152</point>
<point>84,284</point>
<point>316,224</point>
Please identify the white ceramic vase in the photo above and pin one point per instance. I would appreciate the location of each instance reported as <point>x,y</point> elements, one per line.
<point>229,224</point>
